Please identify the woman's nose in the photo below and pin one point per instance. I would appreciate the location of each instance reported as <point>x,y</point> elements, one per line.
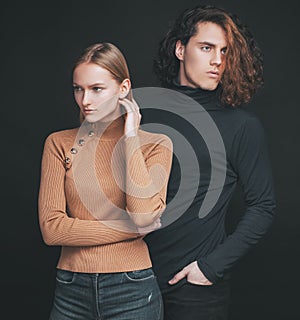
<point>86,99</point>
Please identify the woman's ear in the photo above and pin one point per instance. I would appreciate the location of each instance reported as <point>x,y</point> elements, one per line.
<point>179,50</point>
<point>125,88</point>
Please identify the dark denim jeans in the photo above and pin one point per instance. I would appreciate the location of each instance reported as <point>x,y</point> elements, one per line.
<point>133,295</point>
<point>193,302</point>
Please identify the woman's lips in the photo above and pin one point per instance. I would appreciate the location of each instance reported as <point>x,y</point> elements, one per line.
<point>89,111</point>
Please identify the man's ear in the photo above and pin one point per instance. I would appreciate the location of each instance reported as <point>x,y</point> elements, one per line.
<point>179,50</point>
<point>124,88</point>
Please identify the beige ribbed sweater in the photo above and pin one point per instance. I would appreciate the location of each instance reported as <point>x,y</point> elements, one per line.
<point>82,207</point>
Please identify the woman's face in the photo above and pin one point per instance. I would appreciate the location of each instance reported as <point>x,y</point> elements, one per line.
<point>96,92</point>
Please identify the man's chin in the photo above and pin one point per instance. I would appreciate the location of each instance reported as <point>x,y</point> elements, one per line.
<point>209,86</point>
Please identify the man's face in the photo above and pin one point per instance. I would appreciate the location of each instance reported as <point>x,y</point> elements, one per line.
<point>203,58</point>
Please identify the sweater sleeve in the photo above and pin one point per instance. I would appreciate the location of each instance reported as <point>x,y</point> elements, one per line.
<point>250,160</point>
<point>56,226</point>
<point>148,168</point>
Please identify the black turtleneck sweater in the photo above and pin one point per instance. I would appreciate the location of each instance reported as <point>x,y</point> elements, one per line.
<point>190,238</point>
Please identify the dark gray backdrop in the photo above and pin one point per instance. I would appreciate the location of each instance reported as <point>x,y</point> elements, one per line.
<point>39,42</point>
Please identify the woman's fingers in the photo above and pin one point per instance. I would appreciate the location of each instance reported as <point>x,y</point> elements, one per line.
<point>133,117</point>
<point>130,105</point>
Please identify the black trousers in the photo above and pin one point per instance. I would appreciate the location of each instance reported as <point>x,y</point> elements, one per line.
<point>193,302</point>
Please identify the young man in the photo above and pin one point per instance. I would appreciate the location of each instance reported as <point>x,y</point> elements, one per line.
<point>210,56</point>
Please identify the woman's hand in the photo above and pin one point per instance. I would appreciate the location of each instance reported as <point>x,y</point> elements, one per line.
<point>152,227</point>
<point>133,117</point>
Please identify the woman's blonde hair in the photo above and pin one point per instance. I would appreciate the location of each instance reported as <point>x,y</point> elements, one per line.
<point>109,57</point>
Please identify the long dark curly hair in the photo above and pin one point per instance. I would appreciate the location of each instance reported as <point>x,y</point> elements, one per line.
<point>243,74</point>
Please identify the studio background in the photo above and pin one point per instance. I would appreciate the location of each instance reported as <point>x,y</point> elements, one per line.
<point>39,42</point>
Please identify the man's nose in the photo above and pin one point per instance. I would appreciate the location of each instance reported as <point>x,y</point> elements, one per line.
<point>216,58</point>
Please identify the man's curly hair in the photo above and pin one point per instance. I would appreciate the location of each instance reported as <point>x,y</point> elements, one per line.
<point>243,74</point>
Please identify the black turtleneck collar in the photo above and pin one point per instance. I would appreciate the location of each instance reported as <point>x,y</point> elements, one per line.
<point>209,99</point>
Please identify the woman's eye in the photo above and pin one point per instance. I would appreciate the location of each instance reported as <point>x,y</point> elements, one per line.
<point>97,89</point>
<point>76,88</point>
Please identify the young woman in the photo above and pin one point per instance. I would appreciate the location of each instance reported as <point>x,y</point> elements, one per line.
<point>98,197</point>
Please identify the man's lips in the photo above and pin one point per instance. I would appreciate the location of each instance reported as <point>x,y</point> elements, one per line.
<point>213,73</point>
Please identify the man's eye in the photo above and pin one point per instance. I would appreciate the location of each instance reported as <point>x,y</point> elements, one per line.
<point>223,51</point>
<point>97,89</point>
<point>206,48</point>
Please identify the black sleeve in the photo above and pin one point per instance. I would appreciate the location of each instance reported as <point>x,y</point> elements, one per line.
<point>250,160</point>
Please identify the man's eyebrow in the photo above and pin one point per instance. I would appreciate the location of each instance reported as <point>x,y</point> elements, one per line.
<point>206,42</point>
<point>210,44</point>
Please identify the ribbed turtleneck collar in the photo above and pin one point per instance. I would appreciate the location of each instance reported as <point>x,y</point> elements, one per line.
<point>209,99</point>
<point>107,131</point>
<point>115,129</point>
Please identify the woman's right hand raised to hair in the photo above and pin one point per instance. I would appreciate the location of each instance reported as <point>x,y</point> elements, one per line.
<point>133,117</point>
